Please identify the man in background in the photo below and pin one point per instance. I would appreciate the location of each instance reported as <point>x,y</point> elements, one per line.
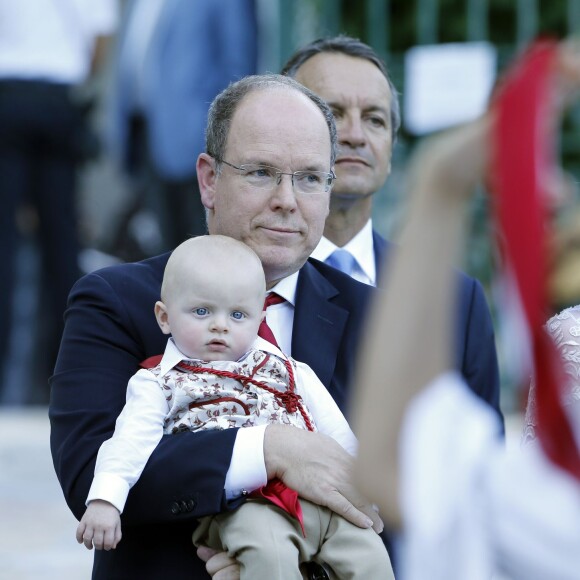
<point>354,81</point>
<point>48,53</point>
<point>174,57</point>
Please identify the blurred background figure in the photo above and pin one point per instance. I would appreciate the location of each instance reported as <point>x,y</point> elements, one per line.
<point>48,50</point>
<point>174,57</point>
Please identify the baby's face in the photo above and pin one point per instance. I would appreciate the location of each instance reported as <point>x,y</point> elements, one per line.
<point>216,319</point>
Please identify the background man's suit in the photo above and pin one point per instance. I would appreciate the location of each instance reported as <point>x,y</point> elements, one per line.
<point>110,328</point>
<point>475,353</point>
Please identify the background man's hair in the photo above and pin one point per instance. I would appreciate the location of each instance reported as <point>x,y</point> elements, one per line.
<point>343,44</point>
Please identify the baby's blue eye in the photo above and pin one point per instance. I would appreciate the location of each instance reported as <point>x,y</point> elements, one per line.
<point>201,311</point>
<point>237,315</point>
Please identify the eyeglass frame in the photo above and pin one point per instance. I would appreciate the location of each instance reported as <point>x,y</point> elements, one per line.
<point>330,175</point>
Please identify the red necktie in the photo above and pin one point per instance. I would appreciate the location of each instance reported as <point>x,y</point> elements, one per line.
<point>276,491</point>
<point>265,331</point>
<point>524,154</point>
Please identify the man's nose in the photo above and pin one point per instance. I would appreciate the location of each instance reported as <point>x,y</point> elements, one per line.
<point>283,195</point>
<point>351,131</point>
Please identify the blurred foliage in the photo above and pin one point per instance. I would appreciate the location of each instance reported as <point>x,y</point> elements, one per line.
<point>551,19</point>
<point>452,16</point>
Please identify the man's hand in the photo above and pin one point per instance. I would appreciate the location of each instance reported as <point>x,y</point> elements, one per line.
<point>100,526</point>
<point>319,469</point>
<point>218,564</point>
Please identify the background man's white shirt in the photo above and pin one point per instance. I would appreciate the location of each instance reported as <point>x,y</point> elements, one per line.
<point>362,249</point>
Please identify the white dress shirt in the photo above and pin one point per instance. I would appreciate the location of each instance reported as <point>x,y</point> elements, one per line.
<point>362,249</point>
<point>52,40</point>
<point>139,428</point>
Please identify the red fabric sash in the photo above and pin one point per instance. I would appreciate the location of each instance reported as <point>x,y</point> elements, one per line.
<point>523,146</point>
<point>282,496</point>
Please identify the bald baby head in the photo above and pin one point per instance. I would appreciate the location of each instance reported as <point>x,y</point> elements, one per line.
<point>217,259</point>
<point>212,298</point>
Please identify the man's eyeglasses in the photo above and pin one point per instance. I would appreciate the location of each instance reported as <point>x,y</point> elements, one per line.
<point>266,177</point>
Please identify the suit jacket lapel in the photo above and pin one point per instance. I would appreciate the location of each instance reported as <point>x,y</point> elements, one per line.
<point>318,323</point>
<point>380,249</point>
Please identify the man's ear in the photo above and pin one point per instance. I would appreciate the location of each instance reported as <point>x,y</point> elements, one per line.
<point>206,177</point>
<point>162,317</point>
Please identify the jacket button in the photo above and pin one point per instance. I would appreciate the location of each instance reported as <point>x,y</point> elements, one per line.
<point>175,508</point>
<point>190,505</point>
<point>183,506</point>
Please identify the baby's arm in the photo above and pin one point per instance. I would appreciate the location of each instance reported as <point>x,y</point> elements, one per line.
<point>100,526</point>
<point>121,460</point>
<point>138,430</point>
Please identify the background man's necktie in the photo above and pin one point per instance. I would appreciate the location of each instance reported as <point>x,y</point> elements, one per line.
<point>265,331</point>
<point>342,260</point>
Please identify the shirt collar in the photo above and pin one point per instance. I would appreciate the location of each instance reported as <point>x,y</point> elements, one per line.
<point>173,356</point>
<point>287,288</point>
<point>264,345</point>
<point>361,247</point>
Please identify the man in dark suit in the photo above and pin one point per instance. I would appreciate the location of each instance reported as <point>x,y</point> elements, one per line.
<point>261,131</point>
<point>354,81</point>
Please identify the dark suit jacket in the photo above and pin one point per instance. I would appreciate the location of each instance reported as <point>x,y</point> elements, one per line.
<point>475,354</point>
<point>109,328</point>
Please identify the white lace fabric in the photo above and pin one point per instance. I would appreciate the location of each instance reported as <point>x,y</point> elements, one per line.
<point>564,329</point>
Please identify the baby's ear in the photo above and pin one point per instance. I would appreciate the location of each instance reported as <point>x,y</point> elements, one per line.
<point>162,317</point>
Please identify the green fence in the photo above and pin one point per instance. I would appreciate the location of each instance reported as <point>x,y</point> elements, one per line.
<point>393,26</point>
<point>376,21</point>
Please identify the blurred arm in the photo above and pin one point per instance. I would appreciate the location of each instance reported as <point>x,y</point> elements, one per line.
<point>415,317</point>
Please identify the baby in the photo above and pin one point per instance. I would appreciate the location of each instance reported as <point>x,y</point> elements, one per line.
<point>216,373</point>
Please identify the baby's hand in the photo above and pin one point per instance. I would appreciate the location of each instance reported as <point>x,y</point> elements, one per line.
<point>100,526</point>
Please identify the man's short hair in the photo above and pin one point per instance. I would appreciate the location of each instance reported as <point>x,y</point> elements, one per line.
<point>225,104</point>
<point>351,47</point>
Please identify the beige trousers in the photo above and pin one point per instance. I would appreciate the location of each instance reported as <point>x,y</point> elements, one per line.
<point>268,543</point>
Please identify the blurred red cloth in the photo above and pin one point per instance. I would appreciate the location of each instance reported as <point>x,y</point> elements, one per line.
<point>524,155</point>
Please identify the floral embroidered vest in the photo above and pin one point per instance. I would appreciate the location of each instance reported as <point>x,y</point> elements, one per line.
<point>199,399</point>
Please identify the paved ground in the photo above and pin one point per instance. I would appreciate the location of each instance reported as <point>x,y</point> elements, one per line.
<point>36,528</point>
